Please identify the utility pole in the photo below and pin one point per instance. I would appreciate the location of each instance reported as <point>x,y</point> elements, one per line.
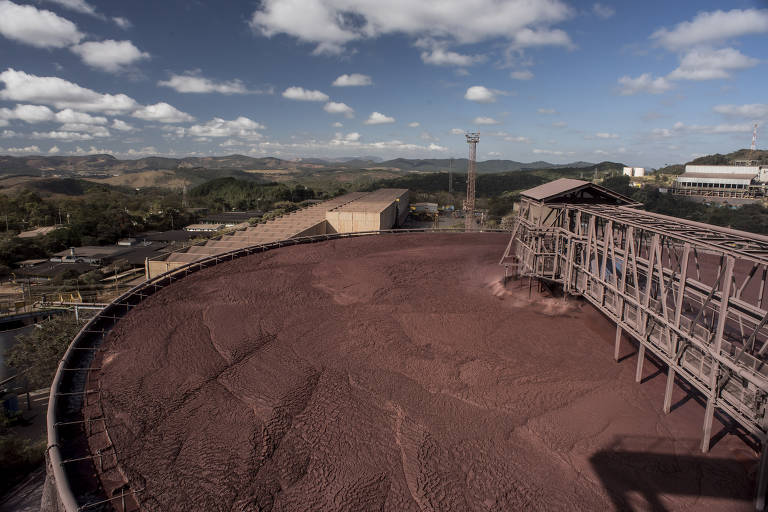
<point>450,176</point>
<point>469,205</point>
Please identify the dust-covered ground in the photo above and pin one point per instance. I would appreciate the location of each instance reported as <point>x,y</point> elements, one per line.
<point>396,373</point>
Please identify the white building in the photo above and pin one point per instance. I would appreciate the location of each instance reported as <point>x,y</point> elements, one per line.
<point>634,171</point>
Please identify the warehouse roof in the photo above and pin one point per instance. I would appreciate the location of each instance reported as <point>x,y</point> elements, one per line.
<point>566,190</point>
<point>717,176</point>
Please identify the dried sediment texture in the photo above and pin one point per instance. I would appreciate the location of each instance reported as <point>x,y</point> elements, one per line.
<point>395,373</point>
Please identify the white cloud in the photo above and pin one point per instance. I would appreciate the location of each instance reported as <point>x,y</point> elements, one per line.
<point>28,150</point>
<point>122,126</point>
<point>110,55</point>
<point>494,154</point>
<point>62,135</point>
<point>350,139</point>
<point>242,127</point>
<point>481,94</point>
<point>80,6</point>
<point>548,152</point>
<point>331,24</point>
<point>92,129</point>
<point>301,94</point>
<point>521,75</point>
<point>337,124</point>
<point>547,111</point>
<point>71,116</point>
<point>518,138</point>
<point>41,28</point>
<point>436,147</point>
<point>339,108</point>
<point>428,136</point>
<point>708,64</point>
<point>379,118</point>
<point>54,150</point>
<point>27,113</point>
<point>485,120</point>
<point>605,135</point>
<point>414,124</point>
<point>603,11</point>
<point>441,57</point>
<point>121,22</point>
<point>711,27</point>
<point>680,128</point>
<point>753,111</point>
<point>541,37</point>
<point>194,82</point>
<point>353,80</point>
<point>457,131</point>
<point>643,83</point>
<point>7,134</point>
<point>163,113</point>
<point>60,93</point>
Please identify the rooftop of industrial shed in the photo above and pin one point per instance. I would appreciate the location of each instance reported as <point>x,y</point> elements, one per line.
<point>567,190</point>
<point>375,201</point>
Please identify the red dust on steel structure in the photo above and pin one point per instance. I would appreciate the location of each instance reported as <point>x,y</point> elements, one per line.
<point>691,295</point>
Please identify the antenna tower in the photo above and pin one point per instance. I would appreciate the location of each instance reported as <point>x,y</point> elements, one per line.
<point>754,142</point>
<point>469,204</point>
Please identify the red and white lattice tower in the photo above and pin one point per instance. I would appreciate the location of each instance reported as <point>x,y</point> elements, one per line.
<point>469,204</point>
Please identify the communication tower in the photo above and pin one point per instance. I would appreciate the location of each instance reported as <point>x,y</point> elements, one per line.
<point>469,205</point>
<point>754,142</point>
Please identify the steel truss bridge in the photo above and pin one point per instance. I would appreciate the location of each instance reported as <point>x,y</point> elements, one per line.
<point>691,294</point>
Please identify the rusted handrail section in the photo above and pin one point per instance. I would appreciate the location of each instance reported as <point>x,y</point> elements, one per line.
<point>68,386</point>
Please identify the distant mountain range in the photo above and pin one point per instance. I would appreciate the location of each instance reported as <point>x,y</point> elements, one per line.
<point>92,164</point>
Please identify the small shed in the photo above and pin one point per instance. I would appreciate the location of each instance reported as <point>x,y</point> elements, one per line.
<point>535,202</point>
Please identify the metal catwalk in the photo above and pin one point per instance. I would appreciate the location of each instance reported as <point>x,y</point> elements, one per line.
<point>692,294</point>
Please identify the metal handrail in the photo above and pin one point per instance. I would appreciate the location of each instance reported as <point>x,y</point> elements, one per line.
<point>64,486</point>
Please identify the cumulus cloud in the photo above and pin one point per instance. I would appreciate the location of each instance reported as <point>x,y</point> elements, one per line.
<point>603,11</point>
<point>553,152</point>
<point>441,57</point>
<point>482,94</point>
<point>162,112</point>
<point>62,135</point>
<point>49,90</point>
<point>414,124</point>
<point>331,24</point>
<point>379,118</point>
<point>301,94</point>
<point>28,150</point>
<point>605,135</point>
<point>353,80</point>
<point>643,83</point>
<point>110,55</point>
<point>92,129</point>
<point>333,107</point>
<point>517,138</point>
<point>541,37</point>
<point>53,150</point>
<point>708,64</point>
<point>41,28</point>
<point>521,75</point>
<point>711,27</point>
<point>337,124</point>
<point>547,111</point>
<point>194,82</point>
<point>71,116</point>
<point>27,113</point>
<point>485,120</point>
<point>457,131</point>
<point>121,126</point>
<point>349,139</point>
<point>752,111</point>
<point>242,127</point>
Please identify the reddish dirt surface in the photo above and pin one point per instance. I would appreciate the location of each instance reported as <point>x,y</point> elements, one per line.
<point>396,373</point>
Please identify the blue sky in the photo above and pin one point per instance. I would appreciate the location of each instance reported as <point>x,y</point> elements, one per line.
<point>644,83</point>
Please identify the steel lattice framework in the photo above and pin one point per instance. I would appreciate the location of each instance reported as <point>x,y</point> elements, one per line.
<point>691,294</point>
<point>469,204</point>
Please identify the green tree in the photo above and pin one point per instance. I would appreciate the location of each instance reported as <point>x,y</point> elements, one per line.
<point>40,351</point>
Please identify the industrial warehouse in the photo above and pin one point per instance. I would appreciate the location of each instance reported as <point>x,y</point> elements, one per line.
<point>723,181</point>
<point>404,371</point>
